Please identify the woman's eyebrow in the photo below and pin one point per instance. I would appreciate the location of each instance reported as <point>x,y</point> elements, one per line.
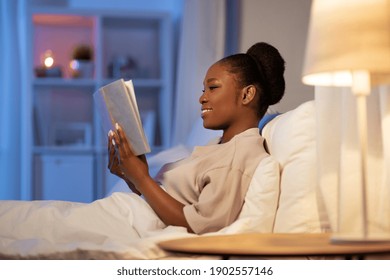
<point>212,80</point>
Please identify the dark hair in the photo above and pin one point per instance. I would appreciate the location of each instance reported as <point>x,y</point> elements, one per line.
<point>261,66</point>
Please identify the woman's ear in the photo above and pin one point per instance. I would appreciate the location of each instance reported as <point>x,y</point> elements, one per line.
<point>248,94</point>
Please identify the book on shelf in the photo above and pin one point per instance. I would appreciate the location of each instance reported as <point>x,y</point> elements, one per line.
<point>116,103</point>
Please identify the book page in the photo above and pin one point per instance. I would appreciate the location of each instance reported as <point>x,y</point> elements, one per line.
<point>133,100</point>
<point>116,103</point>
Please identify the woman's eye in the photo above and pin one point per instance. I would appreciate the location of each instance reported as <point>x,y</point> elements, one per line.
<point>209,88</point>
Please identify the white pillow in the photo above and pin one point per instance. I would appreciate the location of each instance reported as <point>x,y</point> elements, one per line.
<point>291,140</point>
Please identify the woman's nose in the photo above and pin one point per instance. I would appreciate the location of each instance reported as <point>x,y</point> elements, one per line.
<point>202,99</point>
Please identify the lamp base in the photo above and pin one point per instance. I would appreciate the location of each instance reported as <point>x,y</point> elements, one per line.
<point>359,238</point>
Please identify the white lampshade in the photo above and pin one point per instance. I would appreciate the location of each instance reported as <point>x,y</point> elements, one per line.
<point>346,36</point>
<point>349,45</point>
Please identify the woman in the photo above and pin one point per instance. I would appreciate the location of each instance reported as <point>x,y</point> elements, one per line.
<point>205,192</point>
<point>202,193</point>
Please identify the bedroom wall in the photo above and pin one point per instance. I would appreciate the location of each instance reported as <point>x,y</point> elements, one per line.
<point>284,24</point>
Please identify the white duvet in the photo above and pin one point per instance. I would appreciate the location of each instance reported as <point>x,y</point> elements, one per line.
<point>120,226</point>
<point>122,223</point>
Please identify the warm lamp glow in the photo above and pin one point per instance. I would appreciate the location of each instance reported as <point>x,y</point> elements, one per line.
<point>347,36</point>
<point>337,78</point>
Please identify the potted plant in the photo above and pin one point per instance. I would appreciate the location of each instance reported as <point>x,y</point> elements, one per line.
<point>82,61</point>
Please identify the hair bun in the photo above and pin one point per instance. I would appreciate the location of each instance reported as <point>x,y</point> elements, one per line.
<point>272,64</point>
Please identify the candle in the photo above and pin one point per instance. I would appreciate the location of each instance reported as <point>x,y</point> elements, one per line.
<point>48,59</point>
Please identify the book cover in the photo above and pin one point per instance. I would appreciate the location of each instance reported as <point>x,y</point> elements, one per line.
<point>116,103</point>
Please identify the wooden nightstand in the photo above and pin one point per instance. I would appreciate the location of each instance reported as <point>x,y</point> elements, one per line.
<point>274,245</point>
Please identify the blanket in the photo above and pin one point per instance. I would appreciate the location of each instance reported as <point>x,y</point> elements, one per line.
<point>120,226</point>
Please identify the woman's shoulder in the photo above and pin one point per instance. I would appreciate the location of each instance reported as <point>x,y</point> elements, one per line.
<point>249,139</point>
<point>249,147</point>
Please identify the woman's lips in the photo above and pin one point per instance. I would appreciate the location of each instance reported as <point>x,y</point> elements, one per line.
<point>206,110</point>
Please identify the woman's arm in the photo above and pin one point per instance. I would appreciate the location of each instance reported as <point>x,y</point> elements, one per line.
<point>135,170</point>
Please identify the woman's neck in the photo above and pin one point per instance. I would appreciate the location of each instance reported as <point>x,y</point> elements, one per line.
<point>230,133</point>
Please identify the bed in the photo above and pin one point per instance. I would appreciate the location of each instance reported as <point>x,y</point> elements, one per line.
<point>284,201</point>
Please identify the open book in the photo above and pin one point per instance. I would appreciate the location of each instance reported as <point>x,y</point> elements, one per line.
<point>116,103</point>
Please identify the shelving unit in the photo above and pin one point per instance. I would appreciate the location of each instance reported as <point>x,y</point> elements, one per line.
<point>66,145</point>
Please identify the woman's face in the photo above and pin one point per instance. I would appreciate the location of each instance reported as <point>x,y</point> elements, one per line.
<point>220,98</point>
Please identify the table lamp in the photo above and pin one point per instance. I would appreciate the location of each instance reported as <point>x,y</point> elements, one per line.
<point>348,45</point>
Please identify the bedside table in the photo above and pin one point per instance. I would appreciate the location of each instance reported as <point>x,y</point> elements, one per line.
<point>274,245</point>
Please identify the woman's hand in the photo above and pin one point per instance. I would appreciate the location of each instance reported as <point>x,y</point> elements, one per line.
<point>115,160</point>
<point>129,166</point>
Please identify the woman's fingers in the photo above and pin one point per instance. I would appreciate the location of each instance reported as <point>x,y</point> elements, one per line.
<point>124,144</point>
<point>110,150</point>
